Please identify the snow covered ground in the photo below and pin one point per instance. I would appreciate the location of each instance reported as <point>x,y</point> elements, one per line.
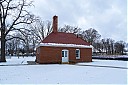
<point>112,56</point>
<point>16,71</point>
<point>18,61</point>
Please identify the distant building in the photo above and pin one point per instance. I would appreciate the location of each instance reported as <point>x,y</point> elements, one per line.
<point>60,47</point>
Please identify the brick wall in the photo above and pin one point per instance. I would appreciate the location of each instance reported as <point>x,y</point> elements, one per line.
<point>53,54</point>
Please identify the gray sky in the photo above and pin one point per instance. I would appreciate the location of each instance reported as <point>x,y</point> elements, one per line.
<point>108,17</point>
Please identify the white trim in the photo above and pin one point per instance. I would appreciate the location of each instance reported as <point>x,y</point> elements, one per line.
<point>64,45</point>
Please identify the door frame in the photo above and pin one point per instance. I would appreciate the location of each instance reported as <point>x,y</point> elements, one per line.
<point>65,59</point>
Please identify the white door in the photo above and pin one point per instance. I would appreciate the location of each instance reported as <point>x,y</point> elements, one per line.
<point>64,55</point>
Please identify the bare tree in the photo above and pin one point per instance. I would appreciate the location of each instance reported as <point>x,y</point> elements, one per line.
<point>41,29</point>
<point>98,47</point>
<point>25,35</point>
<point>70,29</point>
<point>90,35</point>
<point>104,46</point>
<point>119,47</point>
<point>13,15</point>
<point>108,45</point>
<point>112,46</point>
<point>103,41</point>
<point>11,46</point>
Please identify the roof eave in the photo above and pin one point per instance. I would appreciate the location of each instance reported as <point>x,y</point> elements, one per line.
<point>64,45</point>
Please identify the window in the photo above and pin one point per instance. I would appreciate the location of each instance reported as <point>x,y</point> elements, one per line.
<point>62,53</point>
<point>66,53</point>
<point>77,53</point>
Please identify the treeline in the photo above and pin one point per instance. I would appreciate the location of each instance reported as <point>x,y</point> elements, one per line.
<point>24,42</point>
<point>110,47</point>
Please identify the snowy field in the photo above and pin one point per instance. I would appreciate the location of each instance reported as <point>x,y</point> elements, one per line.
<point>16,71</point>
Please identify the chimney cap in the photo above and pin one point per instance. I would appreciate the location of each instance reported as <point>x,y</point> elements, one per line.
<point>55,16</point>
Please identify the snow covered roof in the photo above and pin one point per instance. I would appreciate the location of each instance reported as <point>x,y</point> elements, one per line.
<point>64,45</point>
<point>64,38</point>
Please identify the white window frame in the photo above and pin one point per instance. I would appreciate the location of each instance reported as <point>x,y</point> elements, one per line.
<point>64,51</point>
<point>78,54</point>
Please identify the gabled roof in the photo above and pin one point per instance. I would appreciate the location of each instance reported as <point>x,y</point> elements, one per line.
<point>64,38</point>
<point>60,38</point>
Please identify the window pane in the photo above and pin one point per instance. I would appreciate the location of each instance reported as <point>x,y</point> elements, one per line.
<point>77,51</point>
<point>65,53</point>
<point>77,55</point>
<point>62,53</point>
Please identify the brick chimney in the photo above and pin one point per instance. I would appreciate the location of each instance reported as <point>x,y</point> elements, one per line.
<point>55,24</point>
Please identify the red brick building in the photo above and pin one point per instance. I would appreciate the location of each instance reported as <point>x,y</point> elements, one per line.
<point>60,47</point>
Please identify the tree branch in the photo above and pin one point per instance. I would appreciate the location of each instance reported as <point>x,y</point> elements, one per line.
<point>6,10</point>
<point>16,18</point>
<point>16,38</point>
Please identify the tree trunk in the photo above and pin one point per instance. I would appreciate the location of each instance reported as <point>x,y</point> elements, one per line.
<point>3,41</point>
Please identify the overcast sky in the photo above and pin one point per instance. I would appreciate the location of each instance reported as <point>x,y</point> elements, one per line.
<point>108,17</point>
